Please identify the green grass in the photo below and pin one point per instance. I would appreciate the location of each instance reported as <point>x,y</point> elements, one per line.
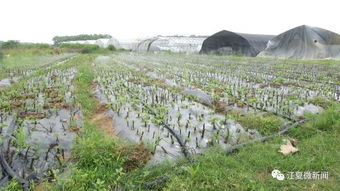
<point>322,102</point>
<point>250,168</point>
<point>21,139</point>
<point>99,162</point>
<point>26,59</point>
<point>84,80</point>
<point>266,124</point>
<point>13,185</point>
<point>327,121</point>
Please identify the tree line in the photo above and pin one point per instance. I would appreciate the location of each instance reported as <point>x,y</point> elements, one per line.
<point>60,39</point>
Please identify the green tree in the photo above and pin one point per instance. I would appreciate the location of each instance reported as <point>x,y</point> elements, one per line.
<point>10,44</point>
<point>60,39</point>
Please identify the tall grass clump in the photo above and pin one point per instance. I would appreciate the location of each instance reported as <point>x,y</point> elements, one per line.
<point>265,124</point>
<point>329,119</point>
<point>322,102</point>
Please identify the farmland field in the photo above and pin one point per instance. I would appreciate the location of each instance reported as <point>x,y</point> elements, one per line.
<point>166,121</point>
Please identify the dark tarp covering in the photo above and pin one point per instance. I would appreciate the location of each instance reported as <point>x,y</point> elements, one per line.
<point>304,42</point>
<point>226,42</point>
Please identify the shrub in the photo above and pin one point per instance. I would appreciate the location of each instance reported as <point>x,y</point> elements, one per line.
<point>111,47</point>
<point>34,45</point>
<point>13,44</point>
<point>1,56</point>
<point>83,48</point>
<point>10,44</point>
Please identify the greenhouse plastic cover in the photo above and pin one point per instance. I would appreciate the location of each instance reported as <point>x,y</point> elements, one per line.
<point>181,44</point>
<point>304,42</point>
<point>227,42</point>
<point>104,43</point>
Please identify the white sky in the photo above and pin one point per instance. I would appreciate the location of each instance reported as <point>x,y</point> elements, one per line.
<point>41,20</point>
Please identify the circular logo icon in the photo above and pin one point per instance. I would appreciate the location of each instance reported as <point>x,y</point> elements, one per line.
<point>275,173</point>
<point>278,175</point>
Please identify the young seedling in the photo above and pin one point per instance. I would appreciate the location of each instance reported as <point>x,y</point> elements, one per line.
<point>203,131</point>
<point>172,139</point>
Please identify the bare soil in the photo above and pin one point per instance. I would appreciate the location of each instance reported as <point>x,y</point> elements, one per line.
<point>103,120</point>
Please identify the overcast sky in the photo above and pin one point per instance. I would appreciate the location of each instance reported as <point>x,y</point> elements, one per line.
<point>40,20</point>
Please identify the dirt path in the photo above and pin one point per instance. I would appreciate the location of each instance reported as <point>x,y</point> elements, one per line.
<point>103,120</point>
<point>100,117</point>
